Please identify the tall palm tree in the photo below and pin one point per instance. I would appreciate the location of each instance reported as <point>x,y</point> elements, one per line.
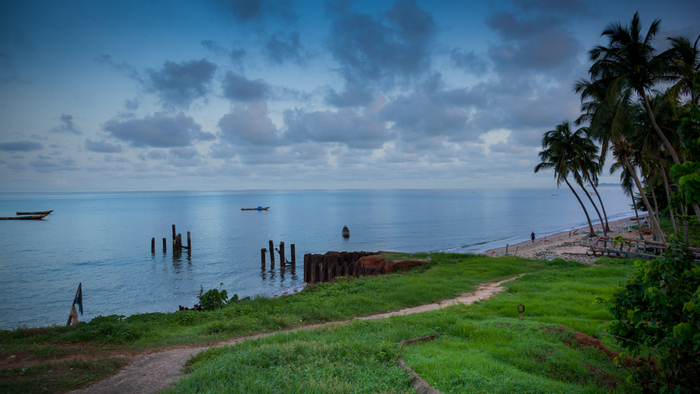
<point>683,65</point>
<point>585,166</point>
<point>624,152</point>
<point>628,63</point>
<point>627,184</point>
<point>557,155</point>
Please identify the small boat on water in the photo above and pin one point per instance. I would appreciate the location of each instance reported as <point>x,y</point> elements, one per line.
<point>35,213</point>
<point>27,217</point>
<point>255,209</point>
<point>346,232</point>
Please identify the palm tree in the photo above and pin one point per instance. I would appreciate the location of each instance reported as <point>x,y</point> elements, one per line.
<point>683,65</point>
<point>624,152</point>
<point>586,167</point>
<point>628,64</point>
<point>557,155</point>
<point>627,184</point>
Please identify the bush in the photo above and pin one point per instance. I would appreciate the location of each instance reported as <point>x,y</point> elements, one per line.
<point>215,298</point>
<point>659,309</point>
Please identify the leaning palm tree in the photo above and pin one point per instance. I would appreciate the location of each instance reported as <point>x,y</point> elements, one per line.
<point>557,155</point>
<point>585,166</point>
<point>628,63</point>
<point>624,153</point>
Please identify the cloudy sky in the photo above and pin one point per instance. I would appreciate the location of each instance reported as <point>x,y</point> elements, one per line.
<point>292,94</point>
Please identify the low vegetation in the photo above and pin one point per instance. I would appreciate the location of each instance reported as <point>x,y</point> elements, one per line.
<point>481,348</point>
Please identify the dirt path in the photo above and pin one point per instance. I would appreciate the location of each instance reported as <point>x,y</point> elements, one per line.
<point>154,372</point>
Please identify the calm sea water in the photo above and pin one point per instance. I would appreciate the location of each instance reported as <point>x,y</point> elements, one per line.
<point>103,240</point>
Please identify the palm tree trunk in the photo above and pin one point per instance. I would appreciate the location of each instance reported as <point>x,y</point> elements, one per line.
<point>684,211</point>
<point>591,232</point>
<point>602,223</point>
<point>607,226</point>
<point>652,118</point>
<point>656,230</point>
<point>656,212</point>
<point>636,214</point>
<point>668,195</point>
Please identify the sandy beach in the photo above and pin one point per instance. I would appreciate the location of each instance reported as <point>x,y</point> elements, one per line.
<point>569,245</point>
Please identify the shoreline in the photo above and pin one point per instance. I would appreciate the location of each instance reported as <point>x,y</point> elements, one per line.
<point>569,245</point>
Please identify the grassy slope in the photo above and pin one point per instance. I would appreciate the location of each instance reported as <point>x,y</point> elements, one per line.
<point>483,348</point>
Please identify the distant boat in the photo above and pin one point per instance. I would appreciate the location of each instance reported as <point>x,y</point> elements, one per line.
<point>255,209</point>
<point>35,213</point>
<point>554,195</point>
<point>346,232</point>
<point>30,217</point>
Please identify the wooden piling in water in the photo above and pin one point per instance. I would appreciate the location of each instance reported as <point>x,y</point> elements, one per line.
<point>189,244</point>
<point>165,245</point>
<point>272,254</point>
<point>283,262</point>
<point>153,245</point>
<point>262,258</point>
<point>294,257</point>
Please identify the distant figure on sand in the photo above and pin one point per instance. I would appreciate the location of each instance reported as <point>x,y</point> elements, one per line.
<point>533,237</point>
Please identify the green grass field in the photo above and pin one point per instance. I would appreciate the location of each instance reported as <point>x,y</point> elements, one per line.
<point>482,348</point>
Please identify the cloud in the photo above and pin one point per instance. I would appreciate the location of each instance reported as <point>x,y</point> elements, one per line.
<point>159,130</point>
<point>281,48</point>
<point>236,55</point>
<point>359,130</point>
<point>249,124</point>
<point>256,10</point>
<point>469,62</point>
<point>185,153</point>
<point>102,146</point>
<point>124,68</point>
<point>556,50</point>
<point>179,84</point>
<point>367,50</point>
<point>48,165</point>
<point>353,96</point>
<point>67,125</point>
<point>238,88</point>
<point>21,146</point>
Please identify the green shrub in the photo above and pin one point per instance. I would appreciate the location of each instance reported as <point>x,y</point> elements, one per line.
<point>659,309</point>
<point>214,298</point>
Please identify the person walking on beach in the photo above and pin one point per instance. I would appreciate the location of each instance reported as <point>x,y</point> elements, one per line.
<point>533,237</point>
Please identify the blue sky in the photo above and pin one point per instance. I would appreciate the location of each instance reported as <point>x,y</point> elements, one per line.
<point>262,94</point>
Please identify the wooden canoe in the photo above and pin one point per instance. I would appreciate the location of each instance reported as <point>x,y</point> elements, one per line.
<point>35,213</point>
<point>30,217</point>
<point>255,209</point>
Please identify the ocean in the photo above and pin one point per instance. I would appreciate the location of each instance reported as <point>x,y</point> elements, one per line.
<point>103,240</point>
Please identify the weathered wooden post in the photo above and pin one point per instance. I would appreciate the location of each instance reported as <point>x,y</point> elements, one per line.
<point>165,245</point>
<point>306,265</point>
<point>282,260</point>
<point>189,245</point>
<point>272,254</point>
<point>174,235</point>
<point>153,245</point>
<point>521,311</point>
<point>506,248</point>
<point>294,257</point>
<point>262,258</point>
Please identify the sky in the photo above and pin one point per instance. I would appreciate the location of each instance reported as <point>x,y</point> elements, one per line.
<point>264,94</point>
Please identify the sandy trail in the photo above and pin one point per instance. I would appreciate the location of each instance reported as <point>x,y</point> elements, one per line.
<point>151,373</point>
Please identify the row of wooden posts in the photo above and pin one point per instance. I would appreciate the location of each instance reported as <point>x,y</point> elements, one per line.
<point>177,243</point>
<point>283,260</point>
<point>325,267</point>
